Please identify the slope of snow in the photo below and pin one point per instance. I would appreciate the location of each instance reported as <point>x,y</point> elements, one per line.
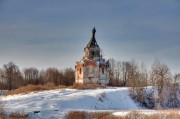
<point>55,103</point>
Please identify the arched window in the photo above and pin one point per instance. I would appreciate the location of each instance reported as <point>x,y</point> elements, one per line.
<point>80,71</point>
<point>102,70</point>
<point>92,53</point>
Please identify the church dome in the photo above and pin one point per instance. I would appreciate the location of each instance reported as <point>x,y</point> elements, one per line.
<point>92,43</point>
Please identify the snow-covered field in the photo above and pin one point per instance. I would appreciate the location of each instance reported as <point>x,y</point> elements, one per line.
<point>55,103</point>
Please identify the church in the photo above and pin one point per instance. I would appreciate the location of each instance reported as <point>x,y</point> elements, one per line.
<point>92,68</point>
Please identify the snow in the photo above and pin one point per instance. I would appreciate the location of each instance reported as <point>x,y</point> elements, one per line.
<point>2,92</point>
<point>125,113</point>
<point>56,103</point>
<point>121,113</point>
<point>146,112</point>
<point>166,95</point>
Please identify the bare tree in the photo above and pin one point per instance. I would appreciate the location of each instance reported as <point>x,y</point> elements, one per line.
<point>127,73</point>
<point>12,75</point>
<point>42,77</point>
<point>53,75</point>
<point>32,75</point>
<point>160,77</point>
<point>117,73</point>
<point>177,78</point>
<point>143,75</point>
<point>175,102</point>
<point>133,73</point>
<point>125,69</point>
<point>1,76</point>
<point>69,77</point>
<point>112,63</point>
<point>160,74</point>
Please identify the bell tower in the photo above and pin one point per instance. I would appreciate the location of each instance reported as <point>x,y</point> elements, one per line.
<point>92,50</point>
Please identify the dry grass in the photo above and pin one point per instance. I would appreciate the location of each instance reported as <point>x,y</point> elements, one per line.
<point>88,115</point>
<point>132,115</point>
<point>13,116</point>
<point>1,110</point>
<point>17,116</point>
<point>32,88</point>
<point>86,86</point>
<point>49,86</point>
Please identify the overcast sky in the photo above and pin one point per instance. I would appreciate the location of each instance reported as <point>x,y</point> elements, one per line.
<point>53,33</point>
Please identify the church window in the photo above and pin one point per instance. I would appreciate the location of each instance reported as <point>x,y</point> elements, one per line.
<point>80,71</point>
<point>92,53</point>
<point>87,71</point>
<point>102,70</point>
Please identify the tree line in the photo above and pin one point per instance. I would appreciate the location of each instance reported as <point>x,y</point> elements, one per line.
<point>11,77</point>
<point>122,73</point>
<point>132,74</point>
<point>165,85</point>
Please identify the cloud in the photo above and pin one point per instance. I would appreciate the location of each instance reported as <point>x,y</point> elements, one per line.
<point>44,33</point>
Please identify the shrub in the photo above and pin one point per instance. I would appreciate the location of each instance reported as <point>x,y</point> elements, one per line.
<point>101,96</point>
<point>1,110</point>
<point>88,115</point>
<point>145,99</point>
<point>3,86</point>
<point>32,88</point>
<point>16,115</point>
<point>162,114</point>
<point>86,86</point>
<point>49,86</point>
<point>76,115</point>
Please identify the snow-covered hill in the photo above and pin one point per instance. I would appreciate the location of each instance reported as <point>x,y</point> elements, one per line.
<point>55,103</point>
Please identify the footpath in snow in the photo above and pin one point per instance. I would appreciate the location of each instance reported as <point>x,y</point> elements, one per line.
<point>55,103</point>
